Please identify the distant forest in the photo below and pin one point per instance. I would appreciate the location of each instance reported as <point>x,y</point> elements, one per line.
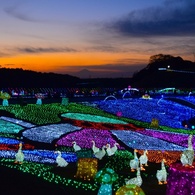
<point>162,71</point>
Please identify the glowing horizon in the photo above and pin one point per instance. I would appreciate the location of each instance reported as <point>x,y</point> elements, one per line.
<point>68,36</point>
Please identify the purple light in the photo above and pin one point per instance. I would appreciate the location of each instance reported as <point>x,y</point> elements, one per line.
<point>181,180</point>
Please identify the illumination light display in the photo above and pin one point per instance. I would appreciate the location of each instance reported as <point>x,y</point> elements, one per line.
<point>173,137</point>
<point>86,168</point>
<point>48,133</point>
<point>130,189</point>
<point>5,96</point>
<point>39,97</point>
<point>85,136</point>
<point>160,144</point>
<point>140,141</point>
<point>8,127</point>
<point>17,121</point>
<point>40,156</point>
<point>181,180</point>
<point>168,113</point>
<point>106,177</point>
<point>92,118</point>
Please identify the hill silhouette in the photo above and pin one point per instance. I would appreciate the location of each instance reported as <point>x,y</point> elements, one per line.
<point>27,78</point>
<point>30,79</point>
<point>166,71</point>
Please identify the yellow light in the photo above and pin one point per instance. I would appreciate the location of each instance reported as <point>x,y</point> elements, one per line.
<point>87,168</point>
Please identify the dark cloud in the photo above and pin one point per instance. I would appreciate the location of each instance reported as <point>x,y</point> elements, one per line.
<point>105,48</point>
<point>4,54</point>
<point>15,12</point>
<point>9,65</point>
<point>173,18</point>
<point>44,50</point>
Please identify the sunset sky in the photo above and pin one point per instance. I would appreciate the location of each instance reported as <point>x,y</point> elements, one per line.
<point>109,37</point>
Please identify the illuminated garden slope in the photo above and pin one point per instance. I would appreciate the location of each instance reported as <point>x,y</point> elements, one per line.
<point>45,124</point>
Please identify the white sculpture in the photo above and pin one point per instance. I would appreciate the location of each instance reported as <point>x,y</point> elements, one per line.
<point>143,159</point>
<point>61,162</point>
<point>187,157</point>
<point>19,155</point>
<point>134,163</point>
<point>111,151</point>
<point>101,153</point>
<point>76,147</point>
<point>94,148</point>
<point>162,174</point>
<point>136,180</point>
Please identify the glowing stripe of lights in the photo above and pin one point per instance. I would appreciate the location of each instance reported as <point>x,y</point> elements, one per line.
<point>17,121</point>
<point>156,156</point>
<point>101,125</point>
<point>15,146</point>
<point>177,138</point>
<point>85,136</point>
<point>47,134</point>
<point>139,141</point>
<point>4,140</point>
<point>40,156</point>
<point>8,127</point>
<point>92,118</point>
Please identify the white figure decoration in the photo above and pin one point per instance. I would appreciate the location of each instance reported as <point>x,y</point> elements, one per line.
<point>75,146</point>
<point>187,157</point>
<point>136,180</point>
<point>19,155</point>
<point>101,153</point>
<point>111,151</point>
<point>134,163</point>
<point>143,159</point>
<point>161,174</point>
<point>94,148</point>
<point>61,162</point>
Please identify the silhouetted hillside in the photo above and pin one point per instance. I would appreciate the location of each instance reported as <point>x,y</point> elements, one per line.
<point>31,79</point>
<point>27,78</point>
<point>166,71</point>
